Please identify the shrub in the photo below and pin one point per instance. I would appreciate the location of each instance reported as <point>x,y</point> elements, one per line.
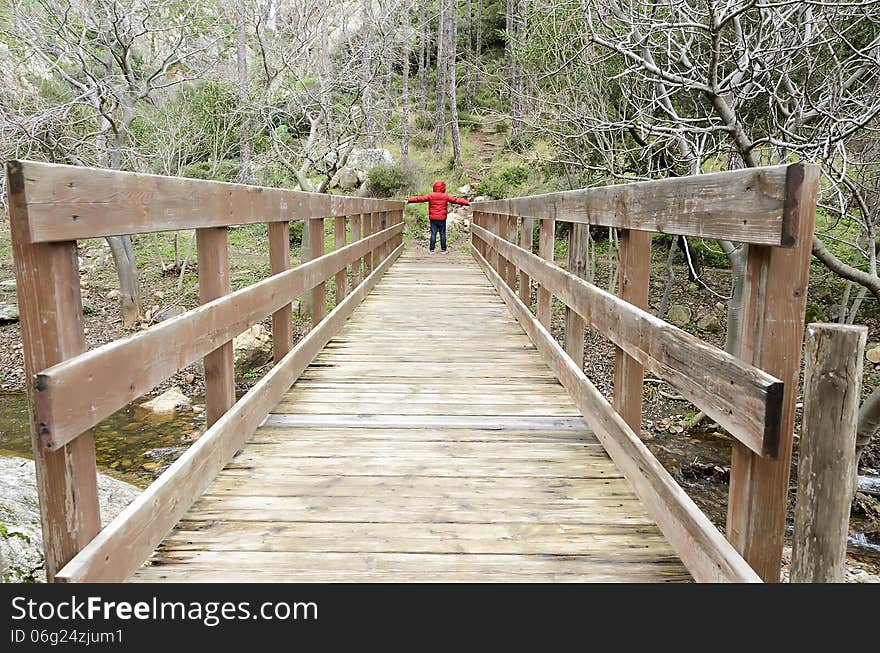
<point>503,182</point>
<point>502,127</point>
<point>522,143</point>
<point>226,170</point>
<point>388,180</point>
<point>425,122</point>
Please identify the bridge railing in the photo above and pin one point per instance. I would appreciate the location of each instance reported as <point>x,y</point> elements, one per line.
<point>71,389</point>
<point>752,396</point>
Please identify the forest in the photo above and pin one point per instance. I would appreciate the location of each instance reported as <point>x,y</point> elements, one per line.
<point>379,98</point>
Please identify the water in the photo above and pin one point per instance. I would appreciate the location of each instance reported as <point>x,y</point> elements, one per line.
<point>131,444</point>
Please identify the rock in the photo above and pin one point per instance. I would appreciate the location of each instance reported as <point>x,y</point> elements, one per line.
<point>113,294</point>
<point>347,178</point>
<point>88,308</point>
<point>9,313</point>
<point>9,284</point>
<point>189,378</point>
<point>465,190</point>
<point>481,198</point>
<point>252,349</point>
<point>168,313</point>
<point>164,407</point>
<point>873,354</point>
<point>367,159</point>
<point>679,315</point>
<point>21,545</point>
<point>709,323</point>
<point>453,219</point>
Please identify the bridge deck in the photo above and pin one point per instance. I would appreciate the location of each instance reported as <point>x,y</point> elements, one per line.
<point>427,442</point>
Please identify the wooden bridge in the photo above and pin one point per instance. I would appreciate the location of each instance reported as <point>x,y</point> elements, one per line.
<point>429,427</point>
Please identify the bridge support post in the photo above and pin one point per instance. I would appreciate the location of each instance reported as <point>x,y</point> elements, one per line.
<point>339,242</point>
<point>279,261</point>
<point>577,265</point>
<point>773,329</point>
<point>525,241</point>
<point>316,249</point>
<point>50,304</point>
<point>634,280</point>
<point>358,266</point>
<point>545,251</point>
<point>213,254</point>
<point>509,234</point>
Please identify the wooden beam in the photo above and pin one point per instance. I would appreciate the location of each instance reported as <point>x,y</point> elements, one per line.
<point>357,266</point>
<point>368,231</point>
<point>74,202</point>
<point>279,261</point>
<point>525,241</point>
<point>773,329</point>
<point>578,235</point>
<point>214,282</point>
<point>827,451</point>
<point>316,250</point>
<point>740,205</point>
<point>634,280</point>
<point>128,540</point>
<point>50,305</point>
<point>339,243</point>
<point>510,236</point>
<point>79,392</point>
<point>740,397</point>
<point>546,247</point>
<point>702,549</point>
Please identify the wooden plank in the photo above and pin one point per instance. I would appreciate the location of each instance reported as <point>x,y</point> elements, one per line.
<point>704,551</point>
<point>339,242</point>
<point>75,202</point>
<point>634,280</point>
<point>827,451</point>
<point>316,250</point>
<point>775,303</point>
<point>279,261</point>
<point>546,244</point>
<point>741,205</point>
<point>214,282</point>
<point>81,391</point>
<point>525,241</point>
<point>742,398</point>
<point>49,301</point>
<point>578,235</point>
<point>482,422</point>
<point>130,538</point>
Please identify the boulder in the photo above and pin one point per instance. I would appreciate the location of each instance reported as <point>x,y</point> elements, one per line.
<point>465,190</point>
<point>453,219</point>
<point>113,294</point>
<point>252,349</point>
<point>709,323</point>
<point>168,313</point>
<point>481,198</point>
<point>8,313</point>
<point>165,406</point>
<point>21,545</point>
<point>873,354</point>
<point>347,178</point>
<point>679,315</point>
<point>367,159</point>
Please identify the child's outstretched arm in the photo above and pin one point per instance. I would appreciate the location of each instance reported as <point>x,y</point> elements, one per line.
<point>418,198</point>
<point>457,200</point>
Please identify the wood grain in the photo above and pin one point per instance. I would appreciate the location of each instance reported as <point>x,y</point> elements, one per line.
<point>279,261</point>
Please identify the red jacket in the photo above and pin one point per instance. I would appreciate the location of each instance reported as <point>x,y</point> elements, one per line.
<point>438,201</point>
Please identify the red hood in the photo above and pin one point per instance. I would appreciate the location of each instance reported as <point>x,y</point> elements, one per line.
<point>439,187</point>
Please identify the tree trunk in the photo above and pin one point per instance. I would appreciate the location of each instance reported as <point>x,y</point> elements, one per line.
<point>737,258</point>
<point>244,143</point>
<point>404,99</point>
<point>451,48</point>
<point>442,72</point>
<point>367,74</point>
<point>126,270</point>
<point>423,56</point>
<point>469,57</point>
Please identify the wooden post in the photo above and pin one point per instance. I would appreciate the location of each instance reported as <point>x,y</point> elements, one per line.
<point>545,251</point>
<point>383,248</point>
<point>510,236</point>
<point>773,328</point>
<point>213,255</point>
<point>358,266</point>
<point>279,261</point>
<point>316,247</point>
<point>368,231</point>
<point>577,265</point>
<point>338,243</point>
<point>50,305</point>
<point>826,455</point>
<point>633,283</point>
<point>525,241</point>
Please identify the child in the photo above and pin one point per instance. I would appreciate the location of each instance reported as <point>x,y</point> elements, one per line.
<point>438,204</point>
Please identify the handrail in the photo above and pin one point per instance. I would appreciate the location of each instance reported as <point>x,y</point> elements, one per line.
<point>73,202</point>
<point>740,205</point>
<point>51,206</point>
<point>772,209</point>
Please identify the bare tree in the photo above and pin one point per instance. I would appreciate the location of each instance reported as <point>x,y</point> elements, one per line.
<point>244,143</point>
<point>111,56</point>
<point>405,32</point>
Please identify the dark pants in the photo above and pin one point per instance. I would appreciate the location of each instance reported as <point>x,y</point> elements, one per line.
<point>438,225</point>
